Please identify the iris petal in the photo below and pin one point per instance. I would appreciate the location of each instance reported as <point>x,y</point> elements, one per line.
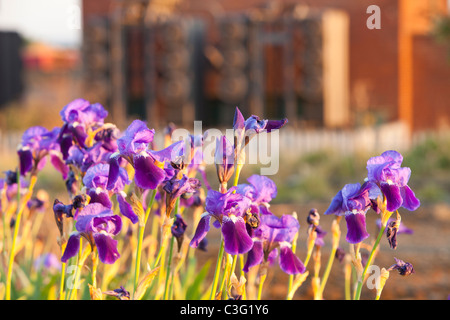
<point>356,227</point>
<point>236,238</point>
<point>126,209</point>
<point>393,196</point>
<point>147,174</point>
<point>254,256</point>
<point>336,205</point>
<point>107,248</point>
<point>201,231</point>
<point>410,201</point>
<point>72,247</point>
<point>59,165</point>
<point>26,161</point>
<point>289,262</point>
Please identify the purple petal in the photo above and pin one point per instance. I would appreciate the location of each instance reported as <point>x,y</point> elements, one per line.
<point>393,196</point>
<point>336,206</point>
<point>254,256</point>
<point>59,165</point>
<point>26,161</point>
<point>275,124</point>
<point>254,123</point>
<point>126,209</point>
<point>80,135</point>
<point>265,188</point>
<point>107,248</point>
<point>98,196</point>
<point>238,121</point>
<point>289,262</point>
<point>410,201</point>
<point>356,227</point>
<point>135,139</point>
<point>201,231</point>
<point>71,109</point>
<point>393,156</point>
<point>147,174</point>
<point>91,211</point>
<point>113,174</point>
<point>171,153</point>
<point>72,247</point>
<point>110,225</point>
<point>236,238</point>
<point>273,255</point>
<point>278,229</point>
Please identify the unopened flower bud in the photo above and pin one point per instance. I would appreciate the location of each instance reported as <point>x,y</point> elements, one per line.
<point>313,217</point>
<point>392,230</point>
<point>178,229</point>
<point>404,268</point>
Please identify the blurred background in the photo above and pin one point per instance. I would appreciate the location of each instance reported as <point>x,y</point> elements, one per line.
<point>348,90</point>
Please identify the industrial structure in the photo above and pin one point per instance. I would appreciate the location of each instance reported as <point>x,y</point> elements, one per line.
<point>315,62</point>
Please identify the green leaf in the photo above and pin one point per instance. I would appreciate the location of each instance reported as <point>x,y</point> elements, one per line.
<point>194,290</point>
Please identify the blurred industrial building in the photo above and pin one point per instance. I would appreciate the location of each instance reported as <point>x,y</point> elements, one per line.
<point>315,62</point>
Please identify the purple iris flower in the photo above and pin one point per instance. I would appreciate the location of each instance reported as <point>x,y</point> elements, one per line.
<point>133,146</point>
<point>47,262</point>
<point>37,143</point>
<point>96,180</point>
<point>10,186</point>
<point>261,190</point>
<point>273,233</point>
<point>353,201</point>
<point>70,211</point>
<point>175,188</point>
<point>229,211</point>
<point>83,158</point>
<point>246,129</point>
<point>98,225</point>
<point>178,229</point>
<point>80,118</point>
<point>386,171</point>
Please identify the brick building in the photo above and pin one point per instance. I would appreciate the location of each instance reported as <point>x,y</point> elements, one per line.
<point>397,72</point>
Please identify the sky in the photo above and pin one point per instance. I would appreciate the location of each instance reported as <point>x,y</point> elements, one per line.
<point>56,22</point>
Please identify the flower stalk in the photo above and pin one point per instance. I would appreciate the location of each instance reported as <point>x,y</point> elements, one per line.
<point>20,210</point>
<point>336,234</point>
<point>142,224</point>
<point>385,217</point>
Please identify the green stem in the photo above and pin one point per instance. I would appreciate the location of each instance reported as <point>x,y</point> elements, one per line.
<point>166,287</point>
<point>261,283</point>
<point>291,276</point>
<point>169,263</point>
<point>347,284</point>
<point>233,267</point>
<point>141,239</point>
<point>237,173</point>
<point>63,272</point>
<point>369,262</point>
<point>216,272</point>
<point>94,268</point>
<point>327,269</point>
<point>77,272</point>
<point>20,209</point>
